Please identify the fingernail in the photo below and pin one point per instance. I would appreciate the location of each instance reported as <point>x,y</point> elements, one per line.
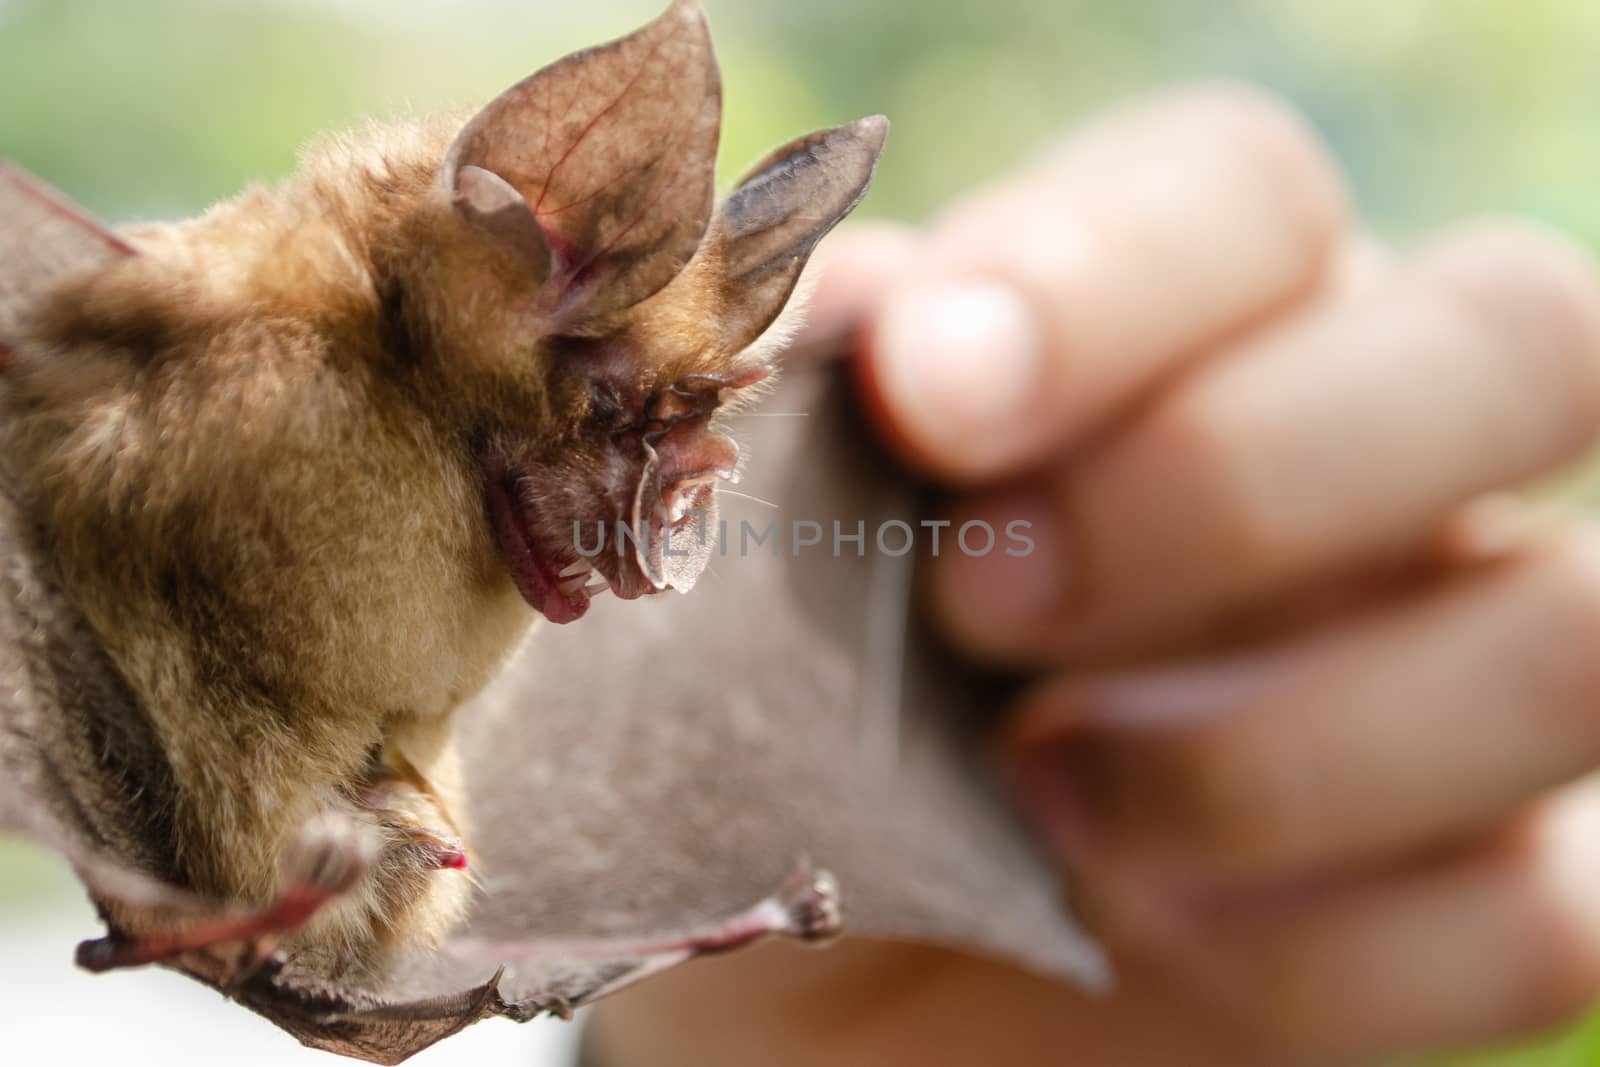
<point>1000,583</point>
<point>1162,698</point>
<point>958,364</point>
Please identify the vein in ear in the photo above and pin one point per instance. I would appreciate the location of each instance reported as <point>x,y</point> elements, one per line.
<point>616,190</point>
<point>773,220</point>
<point>44,238</point>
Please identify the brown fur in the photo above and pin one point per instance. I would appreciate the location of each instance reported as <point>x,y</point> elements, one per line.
<point>285,559</point>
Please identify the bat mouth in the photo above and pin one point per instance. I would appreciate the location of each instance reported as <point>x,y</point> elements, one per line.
<point>553,578</point>
<point>650,524</point>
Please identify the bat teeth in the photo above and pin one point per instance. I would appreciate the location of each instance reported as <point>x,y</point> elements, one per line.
<point>578,577</point>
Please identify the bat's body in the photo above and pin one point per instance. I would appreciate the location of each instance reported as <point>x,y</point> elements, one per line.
<point>291,573</point>
<point>309,465</point>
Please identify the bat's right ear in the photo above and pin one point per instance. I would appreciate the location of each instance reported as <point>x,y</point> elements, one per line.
<point>597,172</point>
<point>43,237</point>
<point>774,218</point>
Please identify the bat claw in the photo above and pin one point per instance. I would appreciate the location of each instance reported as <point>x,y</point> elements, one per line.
<point>409,809</point>
<point>812,900</point>
<point>99,955</point>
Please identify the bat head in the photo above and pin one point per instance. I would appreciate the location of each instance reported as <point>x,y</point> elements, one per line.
<point>582,308</point>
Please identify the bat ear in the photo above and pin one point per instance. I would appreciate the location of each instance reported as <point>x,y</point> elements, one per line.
<point>43,237</point>
<point>599,168</point>
<point>773,219</point>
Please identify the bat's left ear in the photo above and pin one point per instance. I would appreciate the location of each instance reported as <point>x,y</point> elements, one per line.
<point>773,220</point>
<point>43,238</point>
<point>598,172</point>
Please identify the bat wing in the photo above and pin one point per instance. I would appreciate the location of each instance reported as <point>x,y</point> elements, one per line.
<point>689,748</point>
<point>43,237</point>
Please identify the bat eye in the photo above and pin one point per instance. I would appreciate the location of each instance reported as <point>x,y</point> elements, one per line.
<point>605,405</point>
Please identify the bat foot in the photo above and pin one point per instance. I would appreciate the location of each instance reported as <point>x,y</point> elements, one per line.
<point>329,858</point>
<point>411,813</point>
<point>432,847</point>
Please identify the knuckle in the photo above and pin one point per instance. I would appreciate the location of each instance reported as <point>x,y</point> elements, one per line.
<point>1562,988</point>
<point>1229,805</point>
<point>1213,444</point>
<point>1567,579</point>
<point>1560,976</point>
<point>1270,136</point>
<point>1292,1015</point>
<point>1491,258</point>
<point>1538,294</point>
<point>1575,559</point>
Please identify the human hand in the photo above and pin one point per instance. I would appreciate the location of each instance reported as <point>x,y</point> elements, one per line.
<point>1305,705</point>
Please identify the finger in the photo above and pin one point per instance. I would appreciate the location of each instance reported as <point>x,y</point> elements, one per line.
<point>1427,720</point>
<point>1343,437</point>
<point>848,280</point>
<point>1045,304</point>
<point>864,1004</point>
<point>1500,946</point>
<point>1489,948</point>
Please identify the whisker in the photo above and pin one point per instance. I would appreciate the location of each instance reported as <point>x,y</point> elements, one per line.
<point>747,496</point>
<point>769,414</point>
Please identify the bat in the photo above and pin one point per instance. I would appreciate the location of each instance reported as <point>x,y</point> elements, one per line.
<point>283,489</point>
<point>535,319</point>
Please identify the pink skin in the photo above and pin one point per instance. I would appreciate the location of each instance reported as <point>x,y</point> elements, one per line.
<point>289,912</point>
<point>442,850</point>
<point>305,894</point>
<point>532,570</point>
<point>657,472</point>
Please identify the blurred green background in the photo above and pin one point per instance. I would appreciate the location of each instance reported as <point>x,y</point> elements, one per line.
<point>1437,109</point>
<point>155,107</point>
